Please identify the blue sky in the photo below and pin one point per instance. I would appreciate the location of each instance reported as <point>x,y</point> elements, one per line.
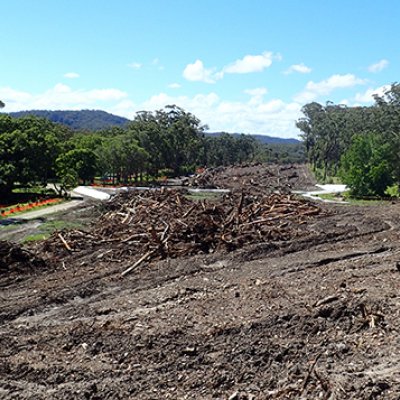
<point>239,66</point>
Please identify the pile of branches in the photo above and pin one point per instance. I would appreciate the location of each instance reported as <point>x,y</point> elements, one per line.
<point>165,223</point>
<point>14,258</point>
<point>257,178</point>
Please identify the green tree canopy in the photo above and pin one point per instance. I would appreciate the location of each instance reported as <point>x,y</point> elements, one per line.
<point>79,163</point>
<point>28,149</point>
<point>172,137</point>
<point>331,131</point>
<point>367,165</point>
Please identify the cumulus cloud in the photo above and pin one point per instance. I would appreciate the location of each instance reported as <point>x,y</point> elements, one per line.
<point>199,102</point>
<point>273,117</point>
<point>58,97</point>
<point>13,98</point>
<point>71,75</point>
<point>315,89</point>
<point>300,68</point>
<point>253,115</point>
<point>245,65</point>
<point>250,63</point>
<point>256,94</point>
<point>126,108</point>
<point>368,95</point>
<point>197,72</point>
<point>379,66</point>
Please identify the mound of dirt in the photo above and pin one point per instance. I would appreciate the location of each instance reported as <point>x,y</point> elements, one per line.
<point>15,259</point>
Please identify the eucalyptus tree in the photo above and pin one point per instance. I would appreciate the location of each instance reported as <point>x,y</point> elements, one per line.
<point>147,131</point>
<point>339,136</point>
<point>171,137</point>
<point>122,158</point>
<point>183,134</point>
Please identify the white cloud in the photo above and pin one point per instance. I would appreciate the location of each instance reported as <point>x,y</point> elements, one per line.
<point>300,68</point>
<point>367,96</point>
<point>199,102</point>
<point>315,89</point>
<point>174,85</point>
<point>197,72</point>
<point>59,97</point>
<point>274,117</point>
<point>250,63</point>
<point>245,65</point>
<point>345,102</point>
<point>135,65</point>
<point>254,115</point>
<point>379,66</point>
<point>126,108</point>
<point>257,92</point>
<point>71,75</point>
<point>14,98</point>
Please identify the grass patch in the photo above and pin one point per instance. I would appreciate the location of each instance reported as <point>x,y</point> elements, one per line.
<point>45,230</point>
<point>332,196</point>
<point>36,237</point>
<point>345,196</point>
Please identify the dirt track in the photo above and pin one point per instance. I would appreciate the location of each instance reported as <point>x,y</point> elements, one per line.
<point>315,316</point>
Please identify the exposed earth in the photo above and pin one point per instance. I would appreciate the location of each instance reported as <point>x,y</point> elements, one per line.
<point>289,300</point>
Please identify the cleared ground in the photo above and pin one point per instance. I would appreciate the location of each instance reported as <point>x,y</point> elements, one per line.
<point>312,316</point>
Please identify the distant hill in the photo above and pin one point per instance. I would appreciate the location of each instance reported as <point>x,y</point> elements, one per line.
<point>95,120</point>
<point>86,120</point>
<point>261,138</point>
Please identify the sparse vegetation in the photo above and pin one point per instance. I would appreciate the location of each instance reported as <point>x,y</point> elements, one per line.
<point>46,229</point>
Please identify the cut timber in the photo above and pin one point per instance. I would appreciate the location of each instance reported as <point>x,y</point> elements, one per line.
<point>138,262</point>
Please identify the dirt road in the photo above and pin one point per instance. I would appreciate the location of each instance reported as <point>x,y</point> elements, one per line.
<point>315,316</point>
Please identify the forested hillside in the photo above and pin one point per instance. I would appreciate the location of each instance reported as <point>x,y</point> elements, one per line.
<point>86,120</point>
<point>360,144</point>
<point>95,120</point>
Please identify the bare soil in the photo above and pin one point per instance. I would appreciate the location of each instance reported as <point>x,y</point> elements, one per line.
<point>312,315</point>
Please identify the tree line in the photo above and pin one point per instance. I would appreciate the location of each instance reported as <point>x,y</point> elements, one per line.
<point>170,141</point>
<point>359,144</point>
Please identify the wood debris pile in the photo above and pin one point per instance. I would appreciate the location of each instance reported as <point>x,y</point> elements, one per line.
<point>167,224</point>
<point>255,178</point>
<point>15,258</point>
